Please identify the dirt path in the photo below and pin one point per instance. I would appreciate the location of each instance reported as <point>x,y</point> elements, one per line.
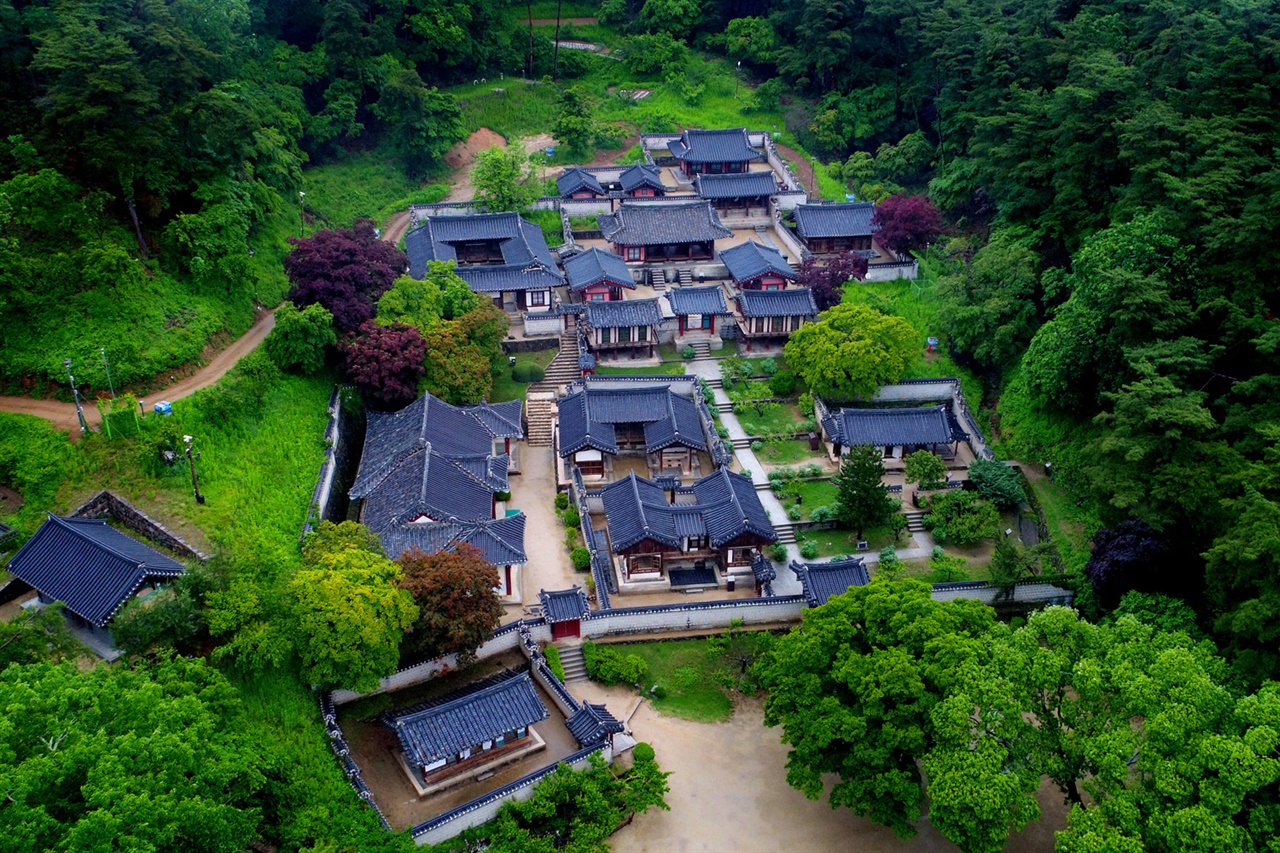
<point>396,226</point>
<point>63,415</point>
<point>803,168</point>
<point>729,792</point>
<point>551,22</point>
<point>463,155</point>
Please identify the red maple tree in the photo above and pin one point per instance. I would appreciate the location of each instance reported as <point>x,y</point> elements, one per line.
<point>906,222</point>
<point>455,594</point>
<point>346,270</point>
<point>385,363</point>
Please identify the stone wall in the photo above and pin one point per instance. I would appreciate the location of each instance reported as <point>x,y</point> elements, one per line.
<point>109,505</point>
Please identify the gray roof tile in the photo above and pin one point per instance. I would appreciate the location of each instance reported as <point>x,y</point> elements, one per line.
<point>662,222</point>
<point>726,506</point>
<point>592,724</point>
<point>739,185</point>
<point>575,178</point>
<point>426,483</point>
<point>447,728</point>
<point>714,146</point>
<point>623,312</point>
<point>594,266</point>
<point>891,427</point>
<point>524,249</point>
<point>500,540</point>
<point>587,418</point>
<point>852,219</point>
<point>820,581</point>
<point>88,565</point>
<point>641,175</point>
<point>697,300</point>
<point>750,260</point>
<point>792,302</point>
<point>564,605</point>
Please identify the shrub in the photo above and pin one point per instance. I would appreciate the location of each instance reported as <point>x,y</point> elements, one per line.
<point>688,351</point>
<point>997,482</point>
<point>782,475</point>
<point>757,445</point>
<point>722,430</point>
<point>502,496</point>
<point>806,403</point>
<point>643,752</point>
<point>571,518</point>
<point>562,500</point>
<point>769,366</point>
<point>610,666</point>
<point>946,568</point>
<point>925,468</point>
<point>527,373</point>
<point>776,552</point>
<point>794,513</point>
<point>783,383</point>
<point>823,513</point>
<point>809,550</point>
<point>809,469</point>
<point>581,559</point>
<point>961,518</point>
<point>553,661</point>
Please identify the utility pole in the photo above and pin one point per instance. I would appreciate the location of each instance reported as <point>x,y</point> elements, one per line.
<point>555,56</point>
<point>736,76</point>
<point>195,484</point>
<point>107,368</point>
<point>75,393</point>
<point>302,219</point>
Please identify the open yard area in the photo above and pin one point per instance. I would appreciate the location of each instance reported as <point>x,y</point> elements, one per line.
<point>505,386</point>
<point>729,792</point>
<point>767,418</point>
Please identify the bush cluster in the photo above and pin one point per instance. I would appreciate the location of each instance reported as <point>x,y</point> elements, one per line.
<point>610,666</point>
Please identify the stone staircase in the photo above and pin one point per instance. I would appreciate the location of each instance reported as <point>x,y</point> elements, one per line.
<point>786,533</point>
<point>540,401</point>
<point>740,443</point>
<point>539,410</point>
<point>726,406</point>
<point>915,521</point>
<point>658,281</point>
<point>715,383</point>
<point>684,277</point>
<point>701,352</point>
<point>575,665</point>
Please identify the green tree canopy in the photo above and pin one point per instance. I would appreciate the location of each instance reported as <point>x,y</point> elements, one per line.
<point>301,338</point>
<point>349,615</point>
<point>503,178</point>
<point>926,469</point>
<point>851,350</point>
<point>854,686</point>
<point>440,295</point>
<point>114,758</point>
<point>861,499</point>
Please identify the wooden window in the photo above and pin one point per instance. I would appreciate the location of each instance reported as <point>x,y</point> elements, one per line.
<point>537,297</point>
<point>624,334</point>
<point>642,333</point>
<point>635,253</point>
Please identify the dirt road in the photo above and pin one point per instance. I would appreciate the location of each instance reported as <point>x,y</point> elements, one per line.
<point>396,226</point>
<point>63,415</point>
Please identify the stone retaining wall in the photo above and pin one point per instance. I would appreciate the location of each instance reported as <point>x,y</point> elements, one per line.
<point>110,505</point>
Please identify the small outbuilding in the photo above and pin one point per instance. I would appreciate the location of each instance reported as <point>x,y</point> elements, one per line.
<point>564,611</point>
<point>820,581</point>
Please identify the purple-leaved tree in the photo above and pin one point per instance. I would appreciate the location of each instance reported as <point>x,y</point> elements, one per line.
<point>385,363</point>
<point>906,222</point>
<point>345,270</point>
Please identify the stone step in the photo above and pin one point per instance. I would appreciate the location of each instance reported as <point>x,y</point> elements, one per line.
<point>724,407</point>
<point>715,382</point>
<point>575,665</point>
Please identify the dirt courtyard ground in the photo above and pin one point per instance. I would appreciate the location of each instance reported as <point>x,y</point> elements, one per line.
<point>729,793</point>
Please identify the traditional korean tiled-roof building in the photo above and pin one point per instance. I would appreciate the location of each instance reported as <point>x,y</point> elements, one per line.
<point>715,525</point>
<point>740,193</point>
<point>593,724</point>
<point>91,567</point>
<point>754,266</point>
<point>430,472</point>
<point>499,540</point>
<point>642,181</point>
<point>820,581</point>
<point>650,420</point>
<point>620,324</point>
<point>656,232</point>
<point>597,276</point>
<point>564,610</point>
<point>714,151</point>
<point>576,182</point>
<point>497,254</point>
<point>696,308</point>
<point>829,229</point>
<point>470,728</point>
<point>770,316</point>
<point>895,432</point>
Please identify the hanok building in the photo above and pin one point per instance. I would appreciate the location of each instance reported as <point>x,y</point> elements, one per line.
<point>754,266</point>
<point>829,229</point>
<point>597,276</point>
<point>714,152</point>
<point>602,424</point>
<point>895,432</point>
<point>768,317</point>
<point>701,535</point>
<point>615,326</point>
<point>499,255</point>
<point>576,182</point>
<point>471,731</point>
<point>499,540</point>
<point>659,232</point>
<point>593,724</point>
<point>92,568</point>
<point>696,310</point>
<point>434,465</point>
<point>820,581</point>
<point>744,193</point>
<point>642,181</point>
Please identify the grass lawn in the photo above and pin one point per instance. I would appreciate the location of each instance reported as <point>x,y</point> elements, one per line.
<point>813,493</point>
<point>1068,532</point>
<point>686,669</point>
<point>550,223</point>
<point>667,368</point>
<point>777,416</point>
<point>794,451</point>
<point>838,542</point>
<point>505,388</point>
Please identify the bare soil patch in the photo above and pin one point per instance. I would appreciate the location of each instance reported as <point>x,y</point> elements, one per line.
<point>10,500</point>
<point>464,153</point>
<point>802,166</point>
<point>729,792</point>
